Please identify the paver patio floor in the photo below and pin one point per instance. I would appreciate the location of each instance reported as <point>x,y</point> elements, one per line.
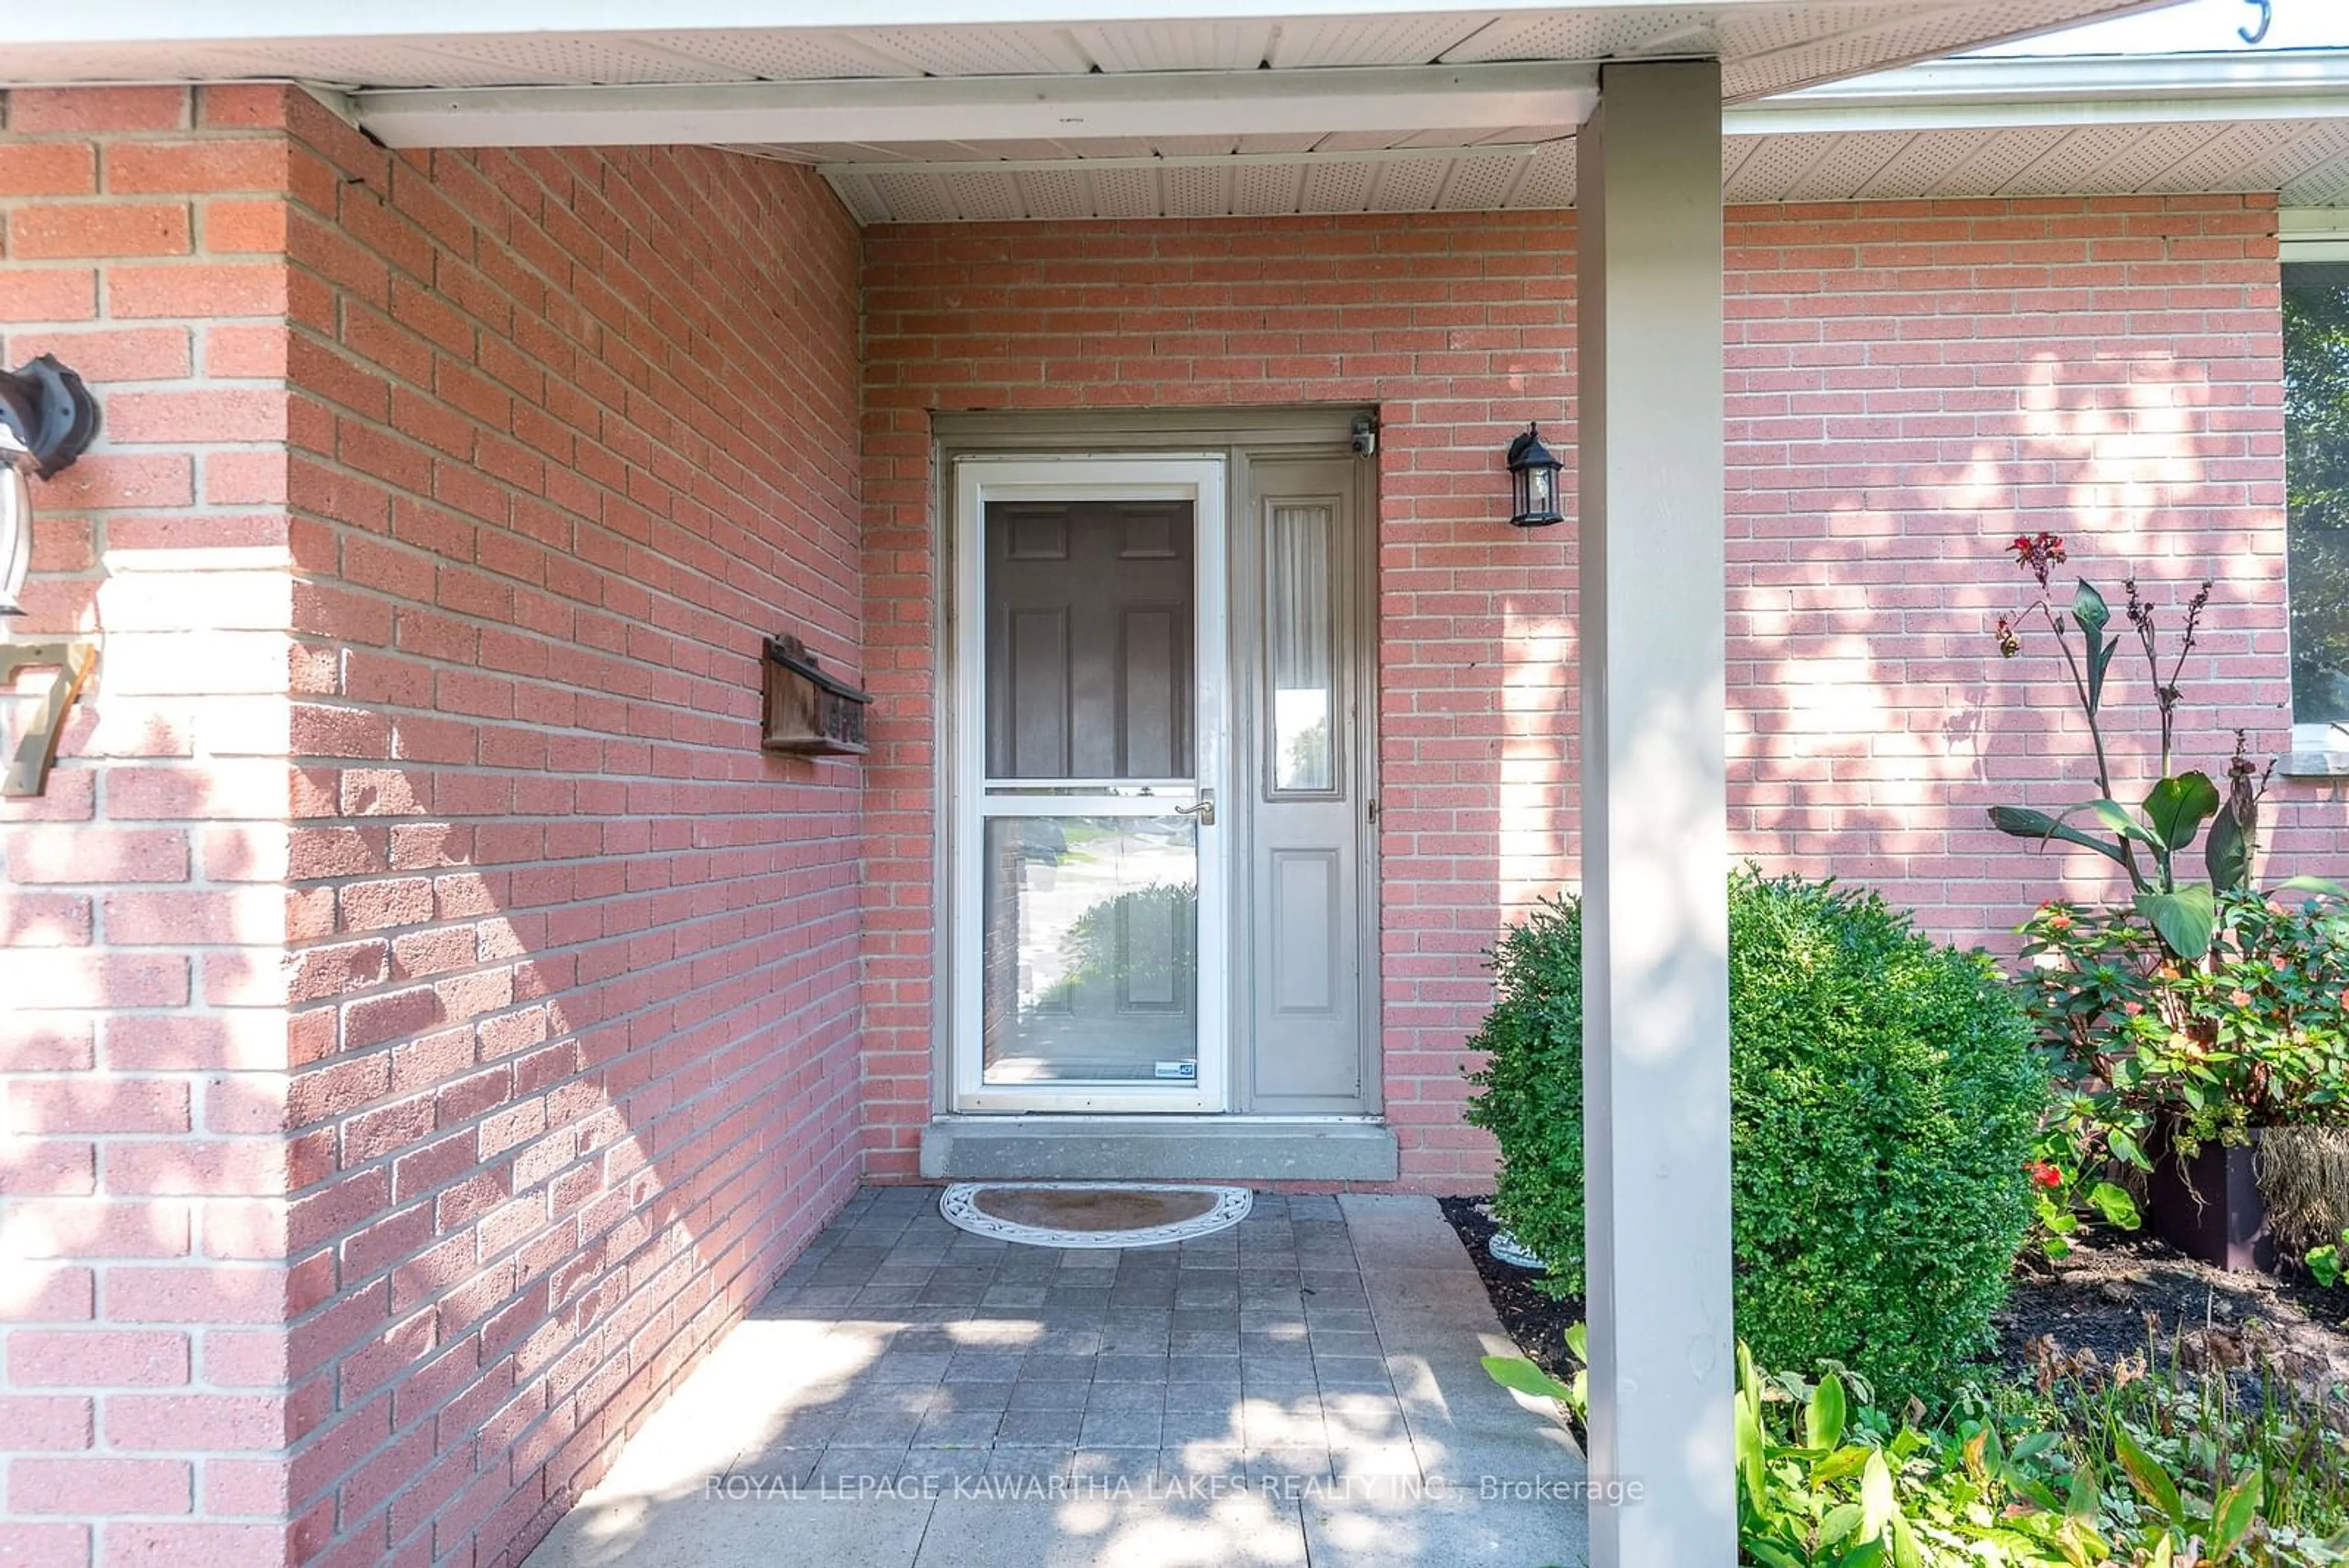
<point>1303,1388</point>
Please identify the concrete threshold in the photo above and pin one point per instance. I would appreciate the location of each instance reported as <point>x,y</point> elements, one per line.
<point>1157,1148</point>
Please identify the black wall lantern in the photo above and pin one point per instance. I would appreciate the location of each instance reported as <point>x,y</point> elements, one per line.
<point>47,419</point>
<point>1533,481</point>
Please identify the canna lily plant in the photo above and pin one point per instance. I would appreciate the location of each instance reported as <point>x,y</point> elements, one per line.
<point>2153,841</point>
<point>2201,1010</point>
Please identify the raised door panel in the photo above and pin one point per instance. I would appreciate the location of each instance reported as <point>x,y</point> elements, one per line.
<point>1303,934</point>
<point>1036,678</point>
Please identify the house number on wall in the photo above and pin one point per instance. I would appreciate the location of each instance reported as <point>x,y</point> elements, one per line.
<point>29,769</point>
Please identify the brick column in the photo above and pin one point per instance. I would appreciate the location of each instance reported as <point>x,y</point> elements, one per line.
<point>143,916</point>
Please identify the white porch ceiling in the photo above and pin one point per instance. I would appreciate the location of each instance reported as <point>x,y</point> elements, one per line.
<point>930,110</point>
<point>1990,128</point>
<point>2305,160</point>
<point>1766,45</point>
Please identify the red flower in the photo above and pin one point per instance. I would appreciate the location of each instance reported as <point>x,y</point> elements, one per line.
<point>2034,552</point>
<point>2045,1175</point>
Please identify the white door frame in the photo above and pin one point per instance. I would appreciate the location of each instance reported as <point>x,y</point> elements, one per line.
<point>1200,479</point>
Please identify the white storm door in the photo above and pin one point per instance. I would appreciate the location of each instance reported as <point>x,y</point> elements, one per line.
<point>1090,950</point>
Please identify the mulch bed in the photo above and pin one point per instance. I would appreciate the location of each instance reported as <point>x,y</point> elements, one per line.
<point>1536,1321</point>
<point>2119,1292</point>
<point>2115,1293</point>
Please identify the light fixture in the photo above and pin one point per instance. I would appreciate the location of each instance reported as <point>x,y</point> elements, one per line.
<point>47,419</point>
<point>1533,481</point>
<point>16,523</point>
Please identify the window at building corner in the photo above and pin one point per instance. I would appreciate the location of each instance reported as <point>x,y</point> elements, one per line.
<point>2316,486</point>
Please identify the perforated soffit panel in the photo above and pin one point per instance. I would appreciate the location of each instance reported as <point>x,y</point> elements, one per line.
<point>1764,47</point>
<point>2305,160</point>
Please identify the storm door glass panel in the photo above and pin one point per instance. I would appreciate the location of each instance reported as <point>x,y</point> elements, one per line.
<point>1299,656</point>
<point>1091,961</point>
<point>1088,630</point>
<point>1091,891</point>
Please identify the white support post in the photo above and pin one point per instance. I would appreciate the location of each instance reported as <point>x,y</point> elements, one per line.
<point>1655,842</point>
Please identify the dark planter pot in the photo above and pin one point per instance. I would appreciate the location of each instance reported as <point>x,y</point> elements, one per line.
<point>2209,1207</point>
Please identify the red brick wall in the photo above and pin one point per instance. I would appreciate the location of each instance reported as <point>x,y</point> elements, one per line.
<point>576,1028</point>
<point>143,915</point>
<point>1458,328</point>
<point>1910,385</point>
<point>431,1019</point>
<point>533,1057</point>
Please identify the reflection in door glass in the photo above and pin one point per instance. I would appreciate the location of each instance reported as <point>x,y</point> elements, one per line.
<point>1092,949</point>
<point>1297,647</point>
<point>2316,490</point>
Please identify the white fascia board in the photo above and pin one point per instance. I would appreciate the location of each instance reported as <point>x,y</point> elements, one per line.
<point>258,21</point>
<point>2312,224</point>
<point>1959,95</point>
<point>987,108</point>
<point>1754,119</point>
<point>2057,78</point>
<point>2312,234</point>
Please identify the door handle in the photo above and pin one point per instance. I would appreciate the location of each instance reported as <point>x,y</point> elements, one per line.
<point>1204,810</point>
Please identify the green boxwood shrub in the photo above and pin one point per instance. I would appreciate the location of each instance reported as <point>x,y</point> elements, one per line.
<point>1883,1098</point>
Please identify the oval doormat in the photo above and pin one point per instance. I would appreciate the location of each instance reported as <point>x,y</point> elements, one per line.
<point>1092,1213</point>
